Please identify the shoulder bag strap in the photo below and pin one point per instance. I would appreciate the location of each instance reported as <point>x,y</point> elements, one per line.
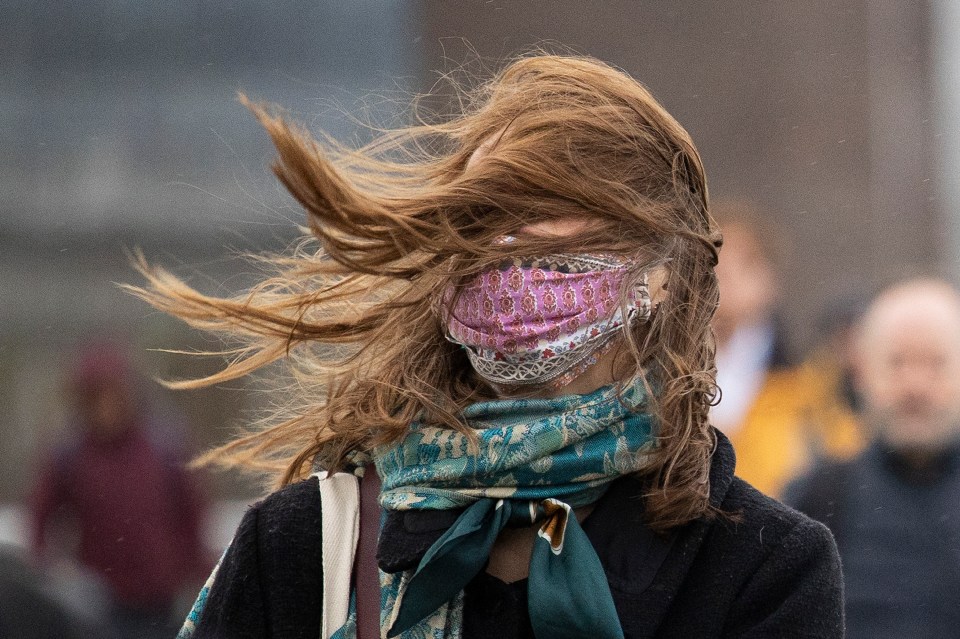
<point>367,575</point>
<point>339,503</point>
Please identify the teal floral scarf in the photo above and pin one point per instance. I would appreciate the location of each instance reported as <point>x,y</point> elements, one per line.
<point>533,462</point>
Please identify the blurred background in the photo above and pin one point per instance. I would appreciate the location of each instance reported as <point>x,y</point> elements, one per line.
<point>838,121</point>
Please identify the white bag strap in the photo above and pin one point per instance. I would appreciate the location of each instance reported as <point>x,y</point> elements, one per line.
<point>340,507</point>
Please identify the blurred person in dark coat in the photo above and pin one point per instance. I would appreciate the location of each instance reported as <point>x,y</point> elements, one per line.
<point>895,509</point>
<point>121,493</point>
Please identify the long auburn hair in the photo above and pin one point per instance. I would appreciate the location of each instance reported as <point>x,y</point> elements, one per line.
<point>353,309</point>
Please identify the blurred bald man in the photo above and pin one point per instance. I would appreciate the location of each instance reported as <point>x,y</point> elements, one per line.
<point>895,509</point>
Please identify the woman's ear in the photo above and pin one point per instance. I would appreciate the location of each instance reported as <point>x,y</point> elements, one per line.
<point>657,283</point>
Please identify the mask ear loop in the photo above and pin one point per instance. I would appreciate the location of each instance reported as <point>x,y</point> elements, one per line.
<point>642,301</point>
<point>642,308</point>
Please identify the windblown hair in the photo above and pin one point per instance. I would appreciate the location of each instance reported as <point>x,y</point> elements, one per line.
<point>354,311</point>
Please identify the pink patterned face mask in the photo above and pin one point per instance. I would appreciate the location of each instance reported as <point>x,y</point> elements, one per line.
<point>543,320</point>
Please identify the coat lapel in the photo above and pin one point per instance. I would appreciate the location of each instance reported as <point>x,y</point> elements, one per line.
<point>646,570</point>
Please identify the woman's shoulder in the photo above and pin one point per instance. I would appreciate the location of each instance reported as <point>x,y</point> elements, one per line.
<point>780,570</point>
<point>756,568</point>
<point>760,528</point>
<point>293,499</point>
<point>790,582</point>
<point>751,520</point>
<point>299,494</point>
<point>291,513</point>
<point>780,550</point>
<point>269,580</point>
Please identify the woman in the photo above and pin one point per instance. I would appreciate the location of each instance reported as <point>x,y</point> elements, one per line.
<point>507,316</point>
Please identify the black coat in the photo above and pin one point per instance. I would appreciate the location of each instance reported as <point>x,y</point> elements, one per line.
<point>763,571</point>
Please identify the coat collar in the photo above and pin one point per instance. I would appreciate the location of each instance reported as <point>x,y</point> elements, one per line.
<point>631,553</point>
<point>660,564</point>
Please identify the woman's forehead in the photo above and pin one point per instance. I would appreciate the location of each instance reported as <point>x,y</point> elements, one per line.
<point>485,147</point>
<point>561,228</point>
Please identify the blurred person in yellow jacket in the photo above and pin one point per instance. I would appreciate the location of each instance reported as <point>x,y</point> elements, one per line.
<point>833,404</point>
<point>781,418</point>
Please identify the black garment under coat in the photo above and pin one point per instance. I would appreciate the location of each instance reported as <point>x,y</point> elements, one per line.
<point>764,571</point>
